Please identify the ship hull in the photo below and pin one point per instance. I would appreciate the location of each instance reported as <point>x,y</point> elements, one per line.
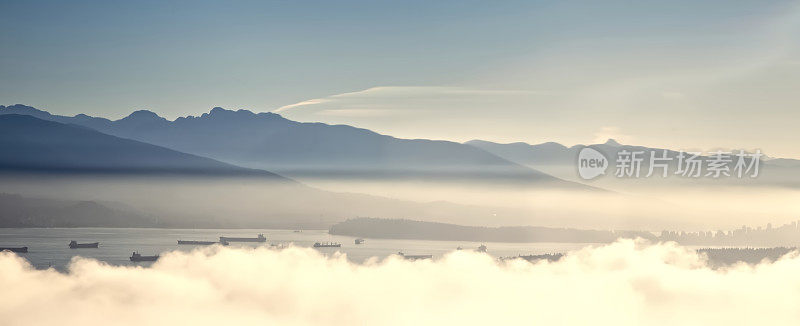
<point>226,239</point>
<point>192,242</point>
<point>327,245</point>
<point>144,258</point>
<point>415,257</point>
<point>84,245</point>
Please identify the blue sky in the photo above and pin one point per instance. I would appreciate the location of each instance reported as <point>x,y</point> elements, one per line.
<point>505,71</point>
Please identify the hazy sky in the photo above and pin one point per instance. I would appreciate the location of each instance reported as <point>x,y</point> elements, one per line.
<point>682,74</point>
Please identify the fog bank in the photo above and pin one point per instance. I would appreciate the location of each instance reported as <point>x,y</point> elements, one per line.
<point>624,283</point>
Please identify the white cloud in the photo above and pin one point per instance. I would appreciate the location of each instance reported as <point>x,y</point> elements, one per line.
<point>373,96</point>
<point>453,113</point>
<point>300,104</point>
<point>626,283</point>
<point>357,112</point>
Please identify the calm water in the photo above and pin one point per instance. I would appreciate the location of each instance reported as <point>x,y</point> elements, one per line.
<point>48,247</point>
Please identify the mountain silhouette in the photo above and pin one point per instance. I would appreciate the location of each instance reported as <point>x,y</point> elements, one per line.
<point>271,142</point>
<point>19,211</point>
<point>33,150</point>
<point>32,144</point>
<point>560,161</point>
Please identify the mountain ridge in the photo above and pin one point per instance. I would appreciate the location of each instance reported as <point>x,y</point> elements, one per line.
<point>299,149</point>
<point>561,162</point>
<point>35,145</point>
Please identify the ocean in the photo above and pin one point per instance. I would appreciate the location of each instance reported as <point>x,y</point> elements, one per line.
<point>48,247</point>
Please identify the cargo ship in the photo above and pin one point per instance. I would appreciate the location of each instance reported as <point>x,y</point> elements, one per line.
<point>75,245</point>
<point>195,242</point>
<point>14,249</point>
<point>259,238</point>
<point>137,257</point>
<point>535,258</point>
<point>327,245</point>
<point>414,257</point>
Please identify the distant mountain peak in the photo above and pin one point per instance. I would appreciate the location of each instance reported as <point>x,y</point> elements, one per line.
<point>143,115</point>
<point>550,145</point>
<point>546,145</point>
<point>222,115</point>
<point>218,110</point>
<point>612,142</point>
<point>24,109</point>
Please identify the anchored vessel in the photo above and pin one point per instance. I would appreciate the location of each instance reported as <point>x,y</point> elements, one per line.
<point>14,249</point>
<point>75,245</point>
<point>259,238</point>
<point>194,242</point>
<point>414,257</point>
<point>359,241</point>
<point>137,257</point>
<point>326,244</point>
<point>533,258</point>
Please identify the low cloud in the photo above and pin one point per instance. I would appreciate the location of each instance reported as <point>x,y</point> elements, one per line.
<point>625,283</point>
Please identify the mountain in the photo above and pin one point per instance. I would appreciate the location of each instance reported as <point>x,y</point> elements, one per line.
<point>785,162</point>
<point>31,144</point>
<point>561,161</point>
<point>18,211</point>
<point>552,153</point>
<point>51,159</point>
<point>80,119</point>
<point>542,154</point>
<point>269,141</point>
<point>409,229</point>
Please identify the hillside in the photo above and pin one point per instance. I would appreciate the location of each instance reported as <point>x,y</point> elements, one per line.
<point>31,144</point>
<point>269,141</point>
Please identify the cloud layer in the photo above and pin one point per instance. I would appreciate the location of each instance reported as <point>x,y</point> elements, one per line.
<point>625,283</point>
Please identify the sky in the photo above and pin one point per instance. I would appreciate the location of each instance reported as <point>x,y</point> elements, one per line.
<point>678,74</point>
